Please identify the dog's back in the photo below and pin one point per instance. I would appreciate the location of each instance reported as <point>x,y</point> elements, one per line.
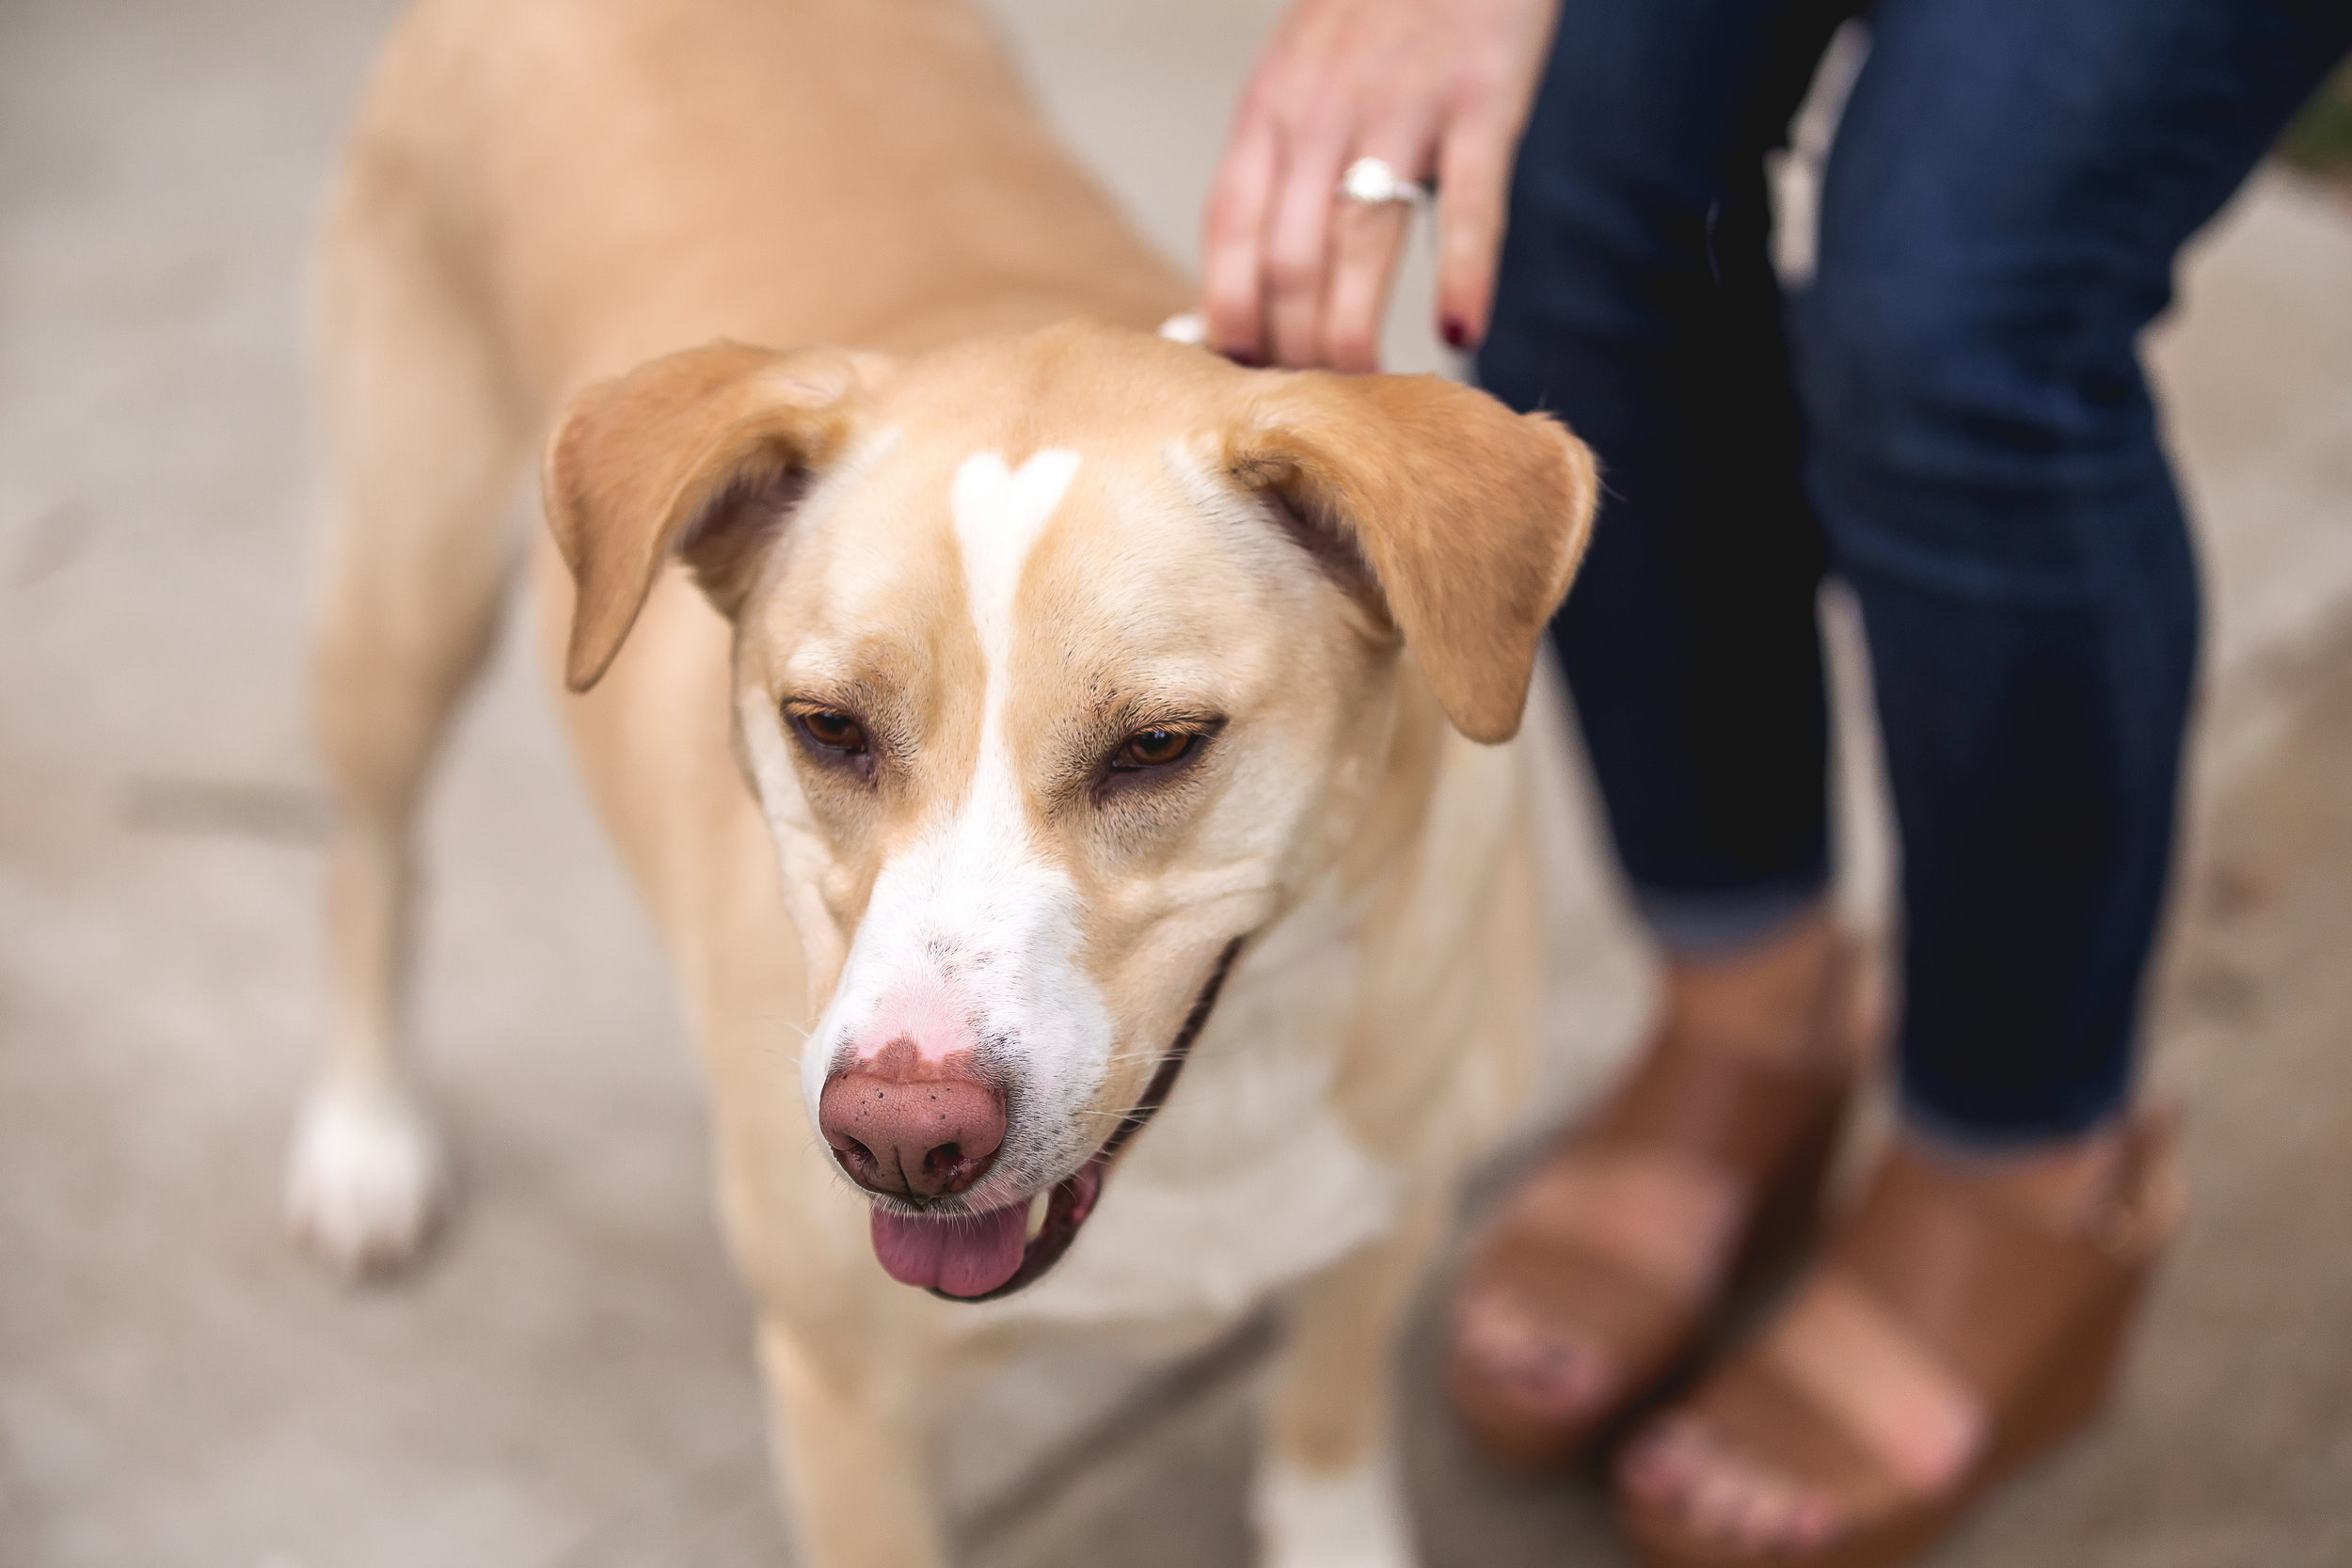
<point>614,178</point>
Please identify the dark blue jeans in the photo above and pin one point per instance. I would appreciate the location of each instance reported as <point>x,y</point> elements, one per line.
<point>1952,417</point>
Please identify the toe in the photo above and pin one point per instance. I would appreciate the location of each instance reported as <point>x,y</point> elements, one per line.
<point>1814,1517</point>
<point>1724,1493</point>
<point>1658,1464</point>
<point>1765,1522</point>
<point>1544,1367</point>
<point>1715,1498</point>
<point>1683,1467</point>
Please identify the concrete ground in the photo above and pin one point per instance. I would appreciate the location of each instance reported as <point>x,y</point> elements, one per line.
<point>569,1385</point>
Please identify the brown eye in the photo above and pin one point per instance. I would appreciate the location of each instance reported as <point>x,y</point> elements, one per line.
<point>1155,747</point>
<point>835,732</point>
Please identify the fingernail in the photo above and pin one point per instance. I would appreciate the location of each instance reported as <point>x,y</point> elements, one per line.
<point>1456,335</point>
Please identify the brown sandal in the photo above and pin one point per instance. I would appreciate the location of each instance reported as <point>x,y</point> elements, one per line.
<point>1772,1129</point>
<point>2031,1320</point>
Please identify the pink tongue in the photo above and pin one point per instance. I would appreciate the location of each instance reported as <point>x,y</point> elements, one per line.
<point>968,1256</point>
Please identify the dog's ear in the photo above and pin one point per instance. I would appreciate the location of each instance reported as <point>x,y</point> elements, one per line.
<point>1469,519</point>
<point>699,454</point>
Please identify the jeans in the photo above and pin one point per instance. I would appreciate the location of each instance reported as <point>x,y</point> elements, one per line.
<point>1952,417</point>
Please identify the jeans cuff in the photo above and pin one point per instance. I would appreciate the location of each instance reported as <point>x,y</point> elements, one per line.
<point>1727,921</point>
<point>1970,1137</point>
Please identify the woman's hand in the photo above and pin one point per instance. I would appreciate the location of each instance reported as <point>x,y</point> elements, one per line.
<point>1436,89</point>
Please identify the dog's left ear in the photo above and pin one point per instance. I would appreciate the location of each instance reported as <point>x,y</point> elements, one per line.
<point>700,454</point>
<point>1469,518</point>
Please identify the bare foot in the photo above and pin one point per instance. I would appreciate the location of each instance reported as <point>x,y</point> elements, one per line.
<point>1664,1217</point>
<point>1868,1374</point>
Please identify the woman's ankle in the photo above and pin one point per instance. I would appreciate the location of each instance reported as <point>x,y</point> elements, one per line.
<point>2065,1183</point>
<point>1773,1002</point>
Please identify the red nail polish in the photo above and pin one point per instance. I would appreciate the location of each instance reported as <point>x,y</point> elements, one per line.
<point>1456,335</point>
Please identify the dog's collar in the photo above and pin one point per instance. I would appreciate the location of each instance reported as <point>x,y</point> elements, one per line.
<point>1163,1083</point>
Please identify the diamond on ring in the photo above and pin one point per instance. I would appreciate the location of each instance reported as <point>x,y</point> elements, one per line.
<point>1375,183</point>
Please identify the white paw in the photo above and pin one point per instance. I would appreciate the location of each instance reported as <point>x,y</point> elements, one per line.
<point>365,1178</point>
<point>1352,1519</point>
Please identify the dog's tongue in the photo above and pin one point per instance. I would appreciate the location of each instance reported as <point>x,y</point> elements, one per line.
<point>968,1256</point>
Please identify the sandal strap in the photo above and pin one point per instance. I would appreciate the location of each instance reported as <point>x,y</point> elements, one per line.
<point>1983,1287</point>
<point>1759,1410</point>
<point>1741,1117</point>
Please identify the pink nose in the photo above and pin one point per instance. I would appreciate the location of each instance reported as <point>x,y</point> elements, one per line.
<point>912,1128</point>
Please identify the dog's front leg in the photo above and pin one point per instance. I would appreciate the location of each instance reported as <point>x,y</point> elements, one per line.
<point>852,1451</point>
<point>1329,1487</point>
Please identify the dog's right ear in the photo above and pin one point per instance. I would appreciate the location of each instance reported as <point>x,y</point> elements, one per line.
<point>700,454</point>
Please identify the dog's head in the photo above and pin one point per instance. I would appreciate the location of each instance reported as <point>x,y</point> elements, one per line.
<point>1064,662</point>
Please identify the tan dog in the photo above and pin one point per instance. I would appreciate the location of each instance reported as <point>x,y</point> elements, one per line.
<point>1113,713</point>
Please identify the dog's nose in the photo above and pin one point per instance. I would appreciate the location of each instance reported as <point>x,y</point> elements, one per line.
<point>910,1128</point>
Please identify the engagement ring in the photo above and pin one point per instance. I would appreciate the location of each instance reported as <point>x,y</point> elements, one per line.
<point>1376,183</point>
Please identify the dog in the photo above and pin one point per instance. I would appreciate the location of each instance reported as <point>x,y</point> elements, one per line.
<point>1092,760</point>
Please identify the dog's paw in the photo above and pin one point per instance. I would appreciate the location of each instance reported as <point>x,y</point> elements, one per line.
<point>365,1180</point>
<point>1353,1518</point>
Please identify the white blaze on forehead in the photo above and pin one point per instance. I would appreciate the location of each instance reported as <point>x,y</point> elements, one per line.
<point>999,513</point>
<point>970,937</point>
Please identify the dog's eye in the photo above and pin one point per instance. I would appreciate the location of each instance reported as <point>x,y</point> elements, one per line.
<point>1154,747</point>
<point>835,732</point>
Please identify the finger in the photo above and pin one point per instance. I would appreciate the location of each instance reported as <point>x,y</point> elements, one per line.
<point>1231,289</point>
<point>1364,248</point>
<point>1366,241</point>
<point>1474,185</point>
<point>1296,261</point>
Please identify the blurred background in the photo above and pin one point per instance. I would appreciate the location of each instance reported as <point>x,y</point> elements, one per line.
<point>569,1384</point>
